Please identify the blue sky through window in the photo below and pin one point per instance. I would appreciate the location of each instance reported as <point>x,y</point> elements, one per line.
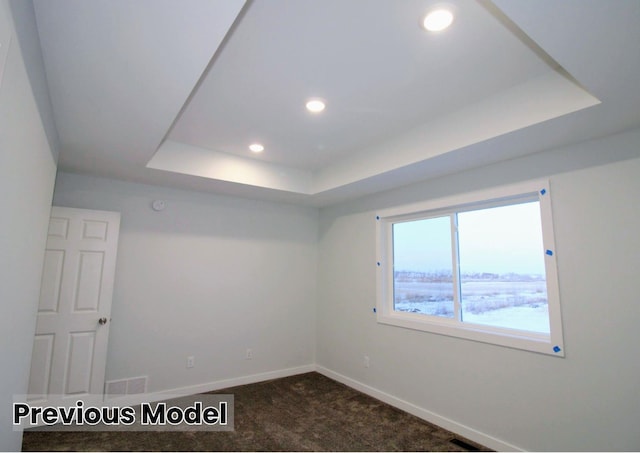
<point>505,239</point>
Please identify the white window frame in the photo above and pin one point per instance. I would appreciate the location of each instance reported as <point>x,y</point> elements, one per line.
<point>539,190</point>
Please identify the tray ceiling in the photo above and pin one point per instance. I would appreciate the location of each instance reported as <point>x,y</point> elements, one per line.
<point>174,92</point>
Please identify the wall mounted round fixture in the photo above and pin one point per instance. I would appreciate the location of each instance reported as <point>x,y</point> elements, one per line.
<point>158,205</point>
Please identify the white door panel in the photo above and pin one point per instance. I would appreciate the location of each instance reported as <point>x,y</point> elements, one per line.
<point>51,280</point>
<point>70,346</point>
<point>41,367</point>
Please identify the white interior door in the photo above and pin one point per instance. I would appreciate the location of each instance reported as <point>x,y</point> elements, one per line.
<point>70,347</point>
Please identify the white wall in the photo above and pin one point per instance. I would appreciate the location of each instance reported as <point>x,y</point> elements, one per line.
<point>27,172</point>
<point>589,400</point>
<point>210,276</point>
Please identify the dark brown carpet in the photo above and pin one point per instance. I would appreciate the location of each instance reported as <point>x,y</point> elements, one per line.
<point>307,412</point>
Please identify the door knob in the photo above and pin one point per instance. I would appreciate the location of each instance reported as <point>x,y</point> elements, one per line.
<point>102,321</point>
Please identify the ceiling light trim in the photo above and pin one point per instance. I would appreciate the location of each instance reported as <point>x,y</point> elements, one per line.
<point>315,105</point>
<point>438,19</point>
<point>195,161</point>
<point>256,148</point>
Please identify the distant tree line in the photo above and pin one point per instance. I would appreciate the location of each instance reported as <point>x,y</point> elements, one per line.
<point>446,276</point>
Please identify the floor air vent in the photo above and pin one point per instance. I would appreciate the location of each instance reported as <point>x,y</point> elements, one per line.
<point>126,387</point>
<point>463,444</point>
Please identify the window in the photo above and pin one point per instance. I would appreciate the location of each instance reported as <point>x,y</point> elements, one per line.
<point>479,266</point>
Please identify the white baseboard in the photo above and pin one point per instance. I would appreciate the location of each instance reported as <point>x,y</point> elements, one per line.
<point>431,417</point>
<point>134,400</point>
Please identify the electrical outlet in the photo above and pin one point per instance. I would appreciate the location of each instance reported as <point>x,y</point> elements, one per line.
<point>249,354</point>
<point>191,361</point>
<point>366,361</point>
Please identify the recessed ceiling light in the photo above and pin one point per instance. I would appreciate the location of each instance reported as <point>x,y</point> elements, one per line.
<point>438,20</point>
<point>256,147</point>
<point>315,105</point>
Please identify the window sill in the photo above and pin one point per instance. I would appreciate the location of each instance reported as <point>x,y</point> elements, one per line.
<point>516,339</point>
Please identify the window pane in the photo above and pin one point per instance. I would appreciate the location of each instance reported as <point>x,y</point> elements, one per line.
<point>422,267</point>
<point>502,274</point>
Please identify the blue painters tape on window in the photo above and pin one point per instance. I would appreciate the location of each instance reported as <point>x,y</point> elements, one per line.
<point>543,191</point>
<point>374,309</point>
<point>556,349</point>
<point>549,252</point>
